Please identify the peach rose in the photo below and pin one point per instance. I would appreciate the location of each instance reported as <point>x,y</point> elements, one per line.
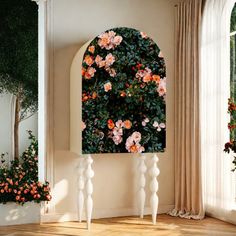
<point>83,126</point>
<point>111,71</point>
<point>83,71</point>
<point>119,124</point>
<point>117,40</point>
<point>117,139</point>
<point>102,64</point>
<point>110,59</point>
<point>104,40</point>
<point>156,78</point>
<point>91,71</point>
<point>127,124</point>
<point>160,54</point>
<point>144,35</point>
<point>88,60</point>
<point>98,59</point>
<point>161,90</point>
<point>147,78</point>
<point>111,34</point>
<point>117,131</point>
<point>136,136</point>
<point>91,49</point>
<point>107,86</point>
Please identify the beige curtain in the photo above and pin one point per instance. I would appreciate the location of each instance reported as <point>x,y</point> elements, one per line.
<point>188,188</point>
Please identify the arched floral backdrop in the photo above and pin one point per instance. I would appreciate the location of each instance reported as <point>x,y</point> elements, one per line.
<point>123,94</point>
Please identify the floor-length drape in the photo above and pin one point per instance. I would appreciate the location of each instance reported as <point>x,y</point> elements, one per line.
<point>188,189</point>
<point>215,91</point>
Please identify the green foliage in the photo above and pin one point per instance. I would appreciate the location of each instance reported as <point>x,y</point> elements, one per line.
<point>18,52</point>
<point>136,75</point>
<point>19,180</point>
<point>233,20</point>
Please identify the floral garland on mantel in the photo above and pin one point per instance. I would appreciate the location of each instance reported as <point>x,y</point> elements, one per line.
<point>123,94</point>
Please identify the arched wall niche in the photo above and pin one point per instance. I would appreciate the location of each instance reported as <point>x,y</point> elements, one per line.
<point>116,82</point>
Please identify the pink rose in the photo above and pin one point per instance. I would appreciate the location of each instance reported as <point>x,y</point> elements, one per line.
<point>91,49</point>
<point>110,59</point>
<point>119,124</point>
<point>117,139</point>
<point>136,136</point>
<point>160,54</point>
<point>117,40</point>
<point>83,126</point>
<point>162,125</point>
<point>144,35</point>
<point>91,71</point>
<point>98,59</point>
<point>107,86</point>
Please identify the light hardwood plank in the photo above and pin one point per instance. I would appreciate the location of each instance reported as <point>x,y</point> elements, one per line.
<point>126,226</point>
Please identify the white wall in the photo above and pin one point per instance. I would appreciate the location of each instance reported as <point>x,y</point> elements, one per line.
<point>6,126</point>
<point>74,22</point>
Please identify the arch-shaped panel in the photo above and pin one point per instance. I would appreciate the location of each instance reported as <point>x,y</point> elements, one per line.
<point>123,94</point>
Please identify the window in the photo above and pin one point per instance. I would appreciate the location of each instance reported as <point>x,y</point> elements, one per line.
<point>233,70</point>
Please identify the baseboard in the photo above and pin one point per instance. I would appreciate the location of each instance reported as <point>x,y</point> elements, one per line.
<point>102,213</point>
<point>223,217</point>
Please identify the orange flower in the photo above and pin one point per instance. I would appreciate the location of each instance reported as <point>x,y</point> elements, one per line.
<point>134,149</point>
<point>147,78</point>
<point>127,124</point>
<point>91,49</point>
<point>87,75</point>
<point>88,60</point>
<point>110,124</point>
<point>122,94</point>
<point>83,71</point>
<point>156,78</point>
<point>94,95</point>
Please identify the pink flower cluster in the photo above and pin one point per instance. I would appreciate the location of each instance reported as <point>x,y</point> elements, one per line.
<point>117,129</point>
<point>162,87</point>
<point>147,76</point>
<point>133,143</point>
<point>118,132</point>
<point>109,40</point>
<point>109,60</point>
<point>158,126</point>
<point>89,73</point>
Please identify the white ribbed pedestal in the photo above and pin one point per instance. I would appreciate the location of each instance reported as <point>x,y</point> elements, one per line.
<point>154,172</point>
<point>142,182</point>
<point>81,184</point>
<point>89,173</point>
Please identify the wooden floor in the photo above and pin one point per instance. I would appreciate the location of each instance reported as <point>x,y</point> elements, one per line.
<point>125,226</point>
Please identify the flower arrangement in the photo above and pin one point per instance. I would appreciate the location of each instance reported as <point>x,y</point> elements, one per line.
<point>123,94</point>
<point>19,179</point>
<point>231,145</point>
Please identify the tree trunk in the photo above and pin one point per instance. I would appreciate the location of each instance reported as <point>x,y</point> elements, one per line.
<point>16,129</point>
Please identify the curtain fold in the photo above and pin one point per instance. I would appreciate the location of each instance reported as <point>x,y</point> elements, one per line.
<point>215,91</point>
<point>188,187</point>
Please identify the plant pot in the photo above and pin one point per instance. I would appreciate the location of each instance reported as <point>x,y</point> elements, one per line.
<point>14,214</point>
